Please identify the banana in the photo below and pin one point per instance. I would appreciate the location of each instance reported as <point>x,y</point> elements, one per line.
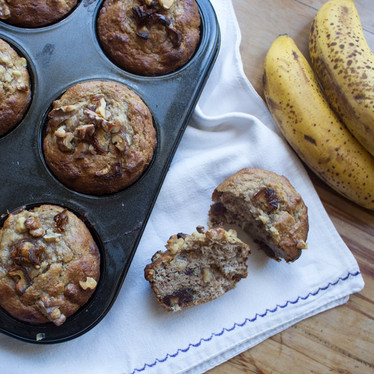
<point>344,64</point>
<point>311,127</point>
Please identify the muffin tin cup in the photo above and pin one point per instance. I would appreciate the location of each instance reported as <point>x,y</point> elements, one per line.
<point>60,56</point>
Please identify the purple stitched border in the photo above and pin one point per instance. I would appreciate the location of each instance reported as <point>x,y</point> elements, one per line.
<point>245,322</point>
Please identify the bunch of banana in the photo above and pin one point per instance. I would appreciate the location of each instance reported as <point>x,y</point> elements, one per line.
<point>311,127</point>
<point>344,64</point>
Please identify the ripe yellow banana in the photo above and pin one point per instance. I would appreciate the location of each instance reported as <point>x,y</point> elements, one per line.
<point>344,64</point>
<point>311,127</point>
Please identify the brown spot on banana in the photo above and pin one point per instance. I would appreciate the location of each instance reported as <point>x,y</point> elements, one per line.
<point>310,139</point>
<point>310,126</point>
<point>345,67</point>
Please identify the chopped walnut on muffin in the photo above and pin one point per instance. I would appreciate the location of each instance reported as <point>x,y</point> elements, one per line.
<point>49,264</point>
<point>15,87</point>
<point>100,137</point>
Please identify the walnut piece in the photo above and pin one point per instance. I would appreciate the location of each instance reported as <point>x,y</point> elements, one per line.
<point>51,236</point>
<point>89,283</point>
<point>26,252</point>
<point>166,4</point>
<point>20,225</point>
<point>99,141</point>
<point>21,279</point>
<point>22,87</point>
<point>98,120</point>
<point>61,220</point>
<point>104,171</point>
<point>116,126</point>
<point>157,255</point>
<point>119,142</point>
<point>67,108</point>
<point>101,108</point>
<point>49,307</point>
<point>65,144</point>
<point>60,132</point>
<point>85,132</point>
<point>267,199</point>
<point>34,226</point>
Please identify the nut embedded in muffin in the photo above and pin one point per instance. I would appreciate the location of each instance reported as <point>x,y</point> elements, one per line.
<point>266,206</point>
<point>15,91</point>
<point>197,268</point>
<point>100,137</point>
<point>149,37</point>
<point>49,264</point>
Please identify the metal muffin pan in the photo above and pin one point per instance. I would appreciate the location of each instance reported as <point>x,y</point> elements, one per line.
<point>60,56</point>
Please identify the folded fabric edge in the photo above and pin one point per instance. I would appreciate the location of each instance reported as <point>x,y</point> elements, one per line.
<point>340,298</point>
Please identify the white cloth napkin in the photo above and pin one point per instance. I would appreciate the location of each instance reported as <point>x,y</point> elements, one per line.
<point>231,129</point>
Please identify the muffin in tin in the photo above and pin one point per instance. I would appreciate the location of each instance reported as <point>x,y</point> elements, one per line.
<point>49,264</point>
<point>35,13</point>
<point>149,37</point>
<point>15,87</point>
<point>99,138</point>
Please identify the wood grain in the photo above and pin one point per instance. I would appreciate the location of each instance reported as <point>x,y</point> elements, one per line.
<point>340,340</point>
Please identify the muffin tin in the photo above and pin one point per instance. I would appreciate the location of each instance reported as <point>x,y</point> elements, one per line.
<point>60,56</point>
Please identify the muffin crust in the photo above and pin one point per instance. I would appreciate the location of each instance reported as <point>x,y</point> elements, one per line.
<point>15,91</point>
<point>148,37</point>
<point>266,206</point>
<point>49,264</point>
<point>100,137</point>
<point>34,13</point>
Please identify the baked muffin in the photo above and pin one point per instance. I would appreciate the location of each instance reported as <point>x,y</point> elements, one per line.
<point>267,207</point>
<point>34,13</point>
<point>49,264</point>
<point>99,138</point>
<point>197,268</point>
<point>149,37</point>
<point>15,91</point>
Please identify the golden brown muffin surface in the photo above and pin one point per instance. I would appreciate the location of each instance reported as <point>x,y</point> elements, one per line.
<point>100,137</point>
<point>149,37</point>
<point>266,206</point>
<point>34,13</point>
<point>15,91</point>
<point>49,264</point>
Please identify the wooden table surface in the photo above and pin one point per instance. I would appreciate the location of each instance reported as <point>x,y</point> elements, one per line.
<point>340,340</point>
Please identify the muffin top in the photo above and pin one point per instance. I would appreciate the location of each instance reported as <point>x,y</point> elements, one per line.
<point>15,92</point>
<point>99,137</point>
<point>34,13</point>
<point>265,205</point>
<point>49,264</point>
<point>149,37</point>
